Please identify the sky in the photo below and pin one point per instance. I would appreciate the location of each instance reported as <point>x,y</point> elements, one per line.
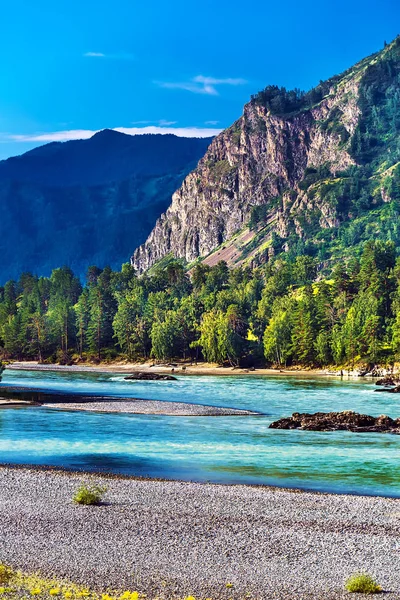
<point>72,67</point>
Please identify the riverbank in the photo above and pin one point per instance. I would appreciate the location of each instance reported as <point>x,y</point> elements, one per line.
<point>177,369</point>
<point>169,538</point>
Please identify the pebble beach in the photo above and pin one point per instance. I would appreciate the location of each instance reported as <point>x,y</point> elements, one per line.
<point>170,538</point>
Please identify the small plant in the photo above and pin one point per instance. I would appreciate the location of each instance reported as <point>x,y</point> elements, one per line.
<point>362,583</point>
<point>90,494</point>
<point>5,574</point>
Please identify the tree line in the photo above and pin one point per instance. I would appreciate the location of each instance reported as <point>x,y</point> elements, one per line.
<point>283,313</point>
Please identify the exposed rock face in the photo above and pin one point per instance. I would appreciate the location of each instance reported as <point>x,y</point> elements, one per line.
<point>339,421</point>
<point>257,159</point>
<point>150,376</point>
<point>264,159</point>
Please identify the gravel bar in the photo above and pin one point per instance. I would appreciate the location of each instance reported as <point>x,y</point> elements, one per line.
<point>166,538</point>
<point>151,407</point>
<point>56,399</point>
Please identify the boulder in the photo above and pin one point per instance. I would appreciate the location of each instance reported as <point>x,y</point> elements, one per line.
<point>338,421</point>
<point>391,390</point>
<point>389,380</point>
<point>144,376</point>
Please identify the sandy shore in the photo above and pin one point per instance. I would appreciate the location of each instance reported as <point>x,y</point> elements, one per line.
<point>164,537</point>
<point>180,369</point>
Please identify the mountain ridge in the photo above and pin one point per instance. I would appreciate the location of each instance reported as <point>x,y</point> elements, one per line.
<point>88,202</point>
<point>76,160</point>
<point>282,154</point>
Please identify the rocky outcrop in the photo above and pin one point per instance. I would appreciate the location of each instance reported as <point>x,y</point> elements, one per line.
<point>142,375</point>
<point>259,160</point>
<point>389,380</point>
<point>291,154</point>
<point>339,421</point>
<point>391,390</point>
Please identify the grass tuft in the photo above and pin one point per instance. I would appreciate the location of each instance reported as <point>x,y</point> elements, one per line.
<point>362,583</point>
<point>89,495</point>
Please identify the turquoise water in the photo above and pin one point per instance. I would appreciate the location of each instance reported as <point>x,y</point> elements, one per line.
<point>217,449</point>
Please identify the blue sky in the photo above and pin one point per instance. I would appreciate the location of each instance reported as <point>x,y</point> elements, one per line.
<point>76,66</point>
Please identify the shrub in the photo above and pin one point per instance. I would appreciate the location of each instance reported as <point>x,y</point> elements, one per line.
<point>5,574</point>
<point>362,583</point>
<point>90,494</point>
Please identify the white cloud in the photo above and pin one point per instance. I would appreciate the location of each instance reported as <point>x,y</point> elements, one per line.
<point>189,87</point>
<point>113,56</point>
<point>83,134</point>
<point>201,84</point>
<point>56,136</point>
<point>211,122</point>
<point>179,131</point>
<point>213,81</point>
<point>164,123</point>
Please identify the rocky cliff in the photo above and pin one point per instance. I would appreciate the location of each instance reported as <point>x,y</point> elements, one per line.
<point>280,155</point>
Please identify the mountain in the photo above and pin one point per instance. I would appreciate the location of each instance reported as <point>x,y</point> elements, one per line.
<point>89,201</point>
<point>306,173</point>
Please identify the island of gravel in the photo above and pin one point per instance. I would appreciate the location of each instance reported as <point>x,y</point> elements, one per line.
<point>15,396</point>
<point>150,407</point>
<point>169,538</point>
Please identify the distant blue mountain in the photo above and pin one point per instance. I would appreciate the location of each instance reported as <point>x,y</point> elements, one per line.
<point>88,202</point>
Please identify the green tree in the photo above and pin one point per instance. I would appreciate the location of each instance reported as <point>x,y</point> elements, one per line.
<point>131,329</point>
<point>82,312</point>
<point>304,329</point>
<point>166,336</point>
<point>64,293</point>
<point>278,334</point>
<point>103,307</point>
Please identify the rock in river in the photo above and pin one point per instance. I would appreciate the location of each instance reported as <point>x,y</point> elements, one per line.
<point>339,421</point>
<point>150,376</point>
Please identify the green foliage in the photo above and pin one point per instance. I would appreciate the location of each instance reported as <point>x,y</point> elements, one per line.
<point>334,125</point>
<point>165,336</point>
<point>103,307</point>
<point>283,310</point>
<point>281,101</point>
<point>222,335</point>
<point>220,169</point>
<point>362,583</point>
<point>89,494</point>
<point>378,129</point>
<point>258,215</point>
<point>6,574</point>
<point>278,333</point>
